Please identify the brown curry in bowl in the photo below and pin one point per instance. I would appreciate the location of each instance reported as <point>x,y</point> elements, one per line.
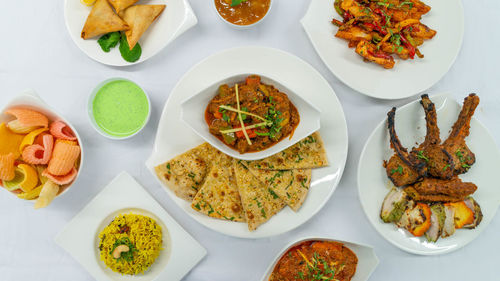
<point>265,113</point>
<point>316,260</point>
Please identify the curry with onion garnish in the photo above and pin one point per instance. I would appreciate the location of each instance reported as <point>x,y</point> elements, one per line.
<point>316,260</point>
<point>251,116</point>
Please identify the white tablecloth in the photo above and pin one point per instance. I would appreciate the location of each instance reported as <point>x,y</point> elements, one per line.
<point>36,52</point>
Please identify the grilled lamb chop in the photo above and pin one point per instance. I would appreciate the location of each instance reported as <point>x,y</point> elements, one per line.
<point>454,157</point>
<point>402,168</point>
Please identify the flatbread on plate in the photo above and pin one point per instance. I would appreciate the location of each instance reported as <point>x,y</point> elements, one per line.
<point>102,20</point>
<point>290,185</point>
<point>139,18</point>
<point>121,5</point>
<point>259,203</point>
<point>184,174</point>
<point>308,153</point>
<point>218,197</point>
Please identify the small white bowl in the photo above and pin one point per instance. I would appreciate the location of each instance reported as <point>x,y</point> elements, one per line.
<point>193,114</point>
<point>367,260</point>
<point>91,115</point>
<point>30,99</point>
<point>242,27</point>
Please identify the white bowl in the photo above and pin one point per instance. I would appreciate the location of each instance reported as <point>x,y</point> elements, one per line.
<point>367,260</point>
<point>193,114</point>
<point>91,115</point>
<point>238,26</point>
<point>30,99</point>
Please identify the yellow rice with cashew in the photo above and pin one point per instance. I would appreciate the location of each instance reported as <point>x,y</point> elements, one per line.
<point>142,237</point>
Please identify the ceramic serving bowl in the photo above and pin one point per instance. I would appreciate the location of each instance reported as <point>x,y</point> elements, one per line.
<point>30,99</point>
<point>367,260</point>
<point>243,27</point>
<point>91,114</point>
<point>193,114</point>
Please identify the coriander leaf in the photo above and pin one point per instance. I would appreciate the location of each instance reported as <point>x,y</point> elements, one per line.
<point>108,41</point>
<point>127,54</point>
<point>237,2</point>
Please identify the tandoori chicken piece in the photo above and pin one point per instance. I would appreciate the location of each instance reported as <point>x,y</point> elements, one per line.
<point>395,204</point>
<point>438,190</point>
<point>402,168</point>
<point>437,223</point>
<point>478,214</point>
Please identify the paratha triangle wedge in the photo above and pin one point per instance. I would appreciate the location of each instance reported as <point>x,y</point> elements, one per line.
<point>308,153</point>
<point>102,20</point>
<point>139,18</point>
<point>186,173</point>
<point>121,5</point>
<point>259,203</point>
<point>290,185</point>
<point>218,197</point>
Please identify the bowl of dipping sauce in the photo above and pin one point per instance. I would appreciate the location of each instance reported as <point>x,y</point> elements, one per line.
<point>242,15</point>
<point>119,108</point>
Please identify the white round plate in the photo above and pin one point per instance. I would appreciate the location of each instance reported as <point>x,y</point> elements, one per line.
<point>407,78</point>
<point>373,184</point>
<point>174,137</point>
<point>176,19</point>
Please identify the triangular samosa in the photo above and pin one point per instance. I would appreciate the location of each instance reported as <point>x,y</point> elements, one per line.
<point>102,20</point>
<point>121,5</point>
<point>139,18</point>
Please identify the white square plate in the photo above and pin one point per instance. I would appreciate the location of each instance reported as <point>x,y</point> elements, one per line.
<point>193,114</point>
<point>124,195</point>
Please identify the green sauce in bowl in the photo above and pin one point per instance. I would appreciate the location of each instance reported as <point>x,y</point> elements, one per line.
<point>120,108</point>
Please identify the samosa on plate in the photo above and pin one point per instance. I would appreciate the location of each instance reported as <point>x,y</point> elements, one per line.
<point>139,18</point>
<point>121,5</point>
<point>102,20</point>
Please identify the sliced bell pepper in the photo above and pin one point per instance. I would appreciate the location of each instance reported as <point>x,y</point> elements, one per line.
<point>251,133</point>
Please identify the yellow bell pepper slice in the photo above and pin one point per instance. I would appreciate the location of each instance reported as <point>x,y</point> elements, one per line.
<point>30,138</point>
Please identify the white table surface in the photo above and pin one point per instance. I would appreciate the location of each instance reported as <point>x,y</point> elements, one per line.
<point>37,52</point>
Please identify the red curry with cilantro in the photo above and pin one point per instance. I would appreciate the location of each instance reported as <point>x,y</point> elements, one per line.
<point>316,260</point>
<point>242,12</point>
<point>267,115</point>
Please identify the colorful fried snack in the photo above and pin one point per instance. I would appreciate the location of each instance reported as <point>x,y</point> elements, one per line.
<point>9,141</point>
<point>30,179</point>
<point>61,130</point>
<point>37,154</point>
<point>29,139</point>
<point>61,180</point>
<point>64,157</point>
<point>7,168</point>
<point>47,194</point>
<point>26,120</point>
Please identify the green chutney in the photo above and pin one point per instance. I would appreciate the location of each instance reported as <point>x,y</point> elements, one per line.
<point>120,108</point>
